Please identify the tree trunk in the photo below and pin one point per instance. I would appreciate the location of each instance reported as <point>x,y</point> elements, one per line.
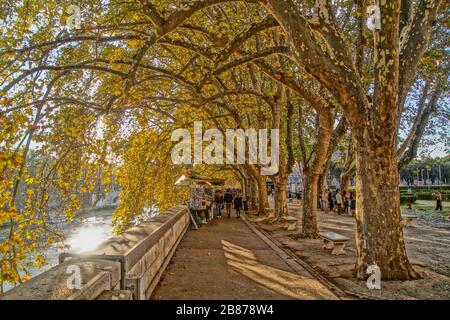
<point>309,217</point>
<point>261,187</point>
<point>349,167</point>
<point>413,140</point>
<point>276,196</point>
<point>379,232</point>
<point>253,197</point>
<point>263,201</point>
<point>281,196</point>
<point>346,177</point>
<point>244,188</point>
<point>311,174</point>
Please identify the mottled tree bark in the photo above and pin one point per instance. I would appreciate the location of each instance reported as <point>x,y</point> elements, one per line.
<point>409,148</point>
<point>309,215</point>
<point>312,169</point>
<point>379,233</point>
<point>254,193</point>
<point>349,167</point>
<point>346,177</point>
<point>281,195</point>
<point>263,201</point>
<point>373,117</point>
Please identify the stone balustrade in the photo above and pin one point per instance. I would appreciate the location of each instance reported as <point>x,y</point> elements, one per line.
<point>126,266</point>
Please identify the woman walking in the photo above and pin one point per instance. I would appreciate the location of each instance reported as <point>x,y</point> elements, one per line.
<point>238,204</point>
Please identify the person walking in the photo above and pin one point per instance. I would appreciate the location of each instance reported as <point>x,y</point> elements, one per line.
<point>344,201</point>
<point>339,202</point>
<point>238,204</point>
<point>352,203</point>
<point>218,201</point>
<point>246,202</point>
<point>325,205</point>
<point>348,201</point>
<point>330,200</point>
<point>438,197</point>
<point>228,201</point>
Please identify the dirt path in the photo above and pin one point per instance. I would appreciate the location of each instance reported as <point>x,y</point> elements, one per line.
<point>226,260</point>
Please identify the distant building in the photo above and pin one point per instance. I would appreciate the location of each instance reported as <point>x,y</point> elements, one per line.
<point>294,181</point>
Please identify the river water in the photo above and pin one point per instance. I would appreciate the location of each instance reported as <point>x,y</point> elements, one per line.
<point>80,237</point>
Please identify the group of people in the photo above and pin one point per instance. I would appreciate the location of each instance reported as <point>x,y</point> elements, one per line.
<point>336,201</point>
<point>228,200</point>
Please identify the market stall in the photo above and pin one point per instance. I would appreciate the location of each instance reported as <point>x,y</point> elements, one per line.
<point>201,195</point>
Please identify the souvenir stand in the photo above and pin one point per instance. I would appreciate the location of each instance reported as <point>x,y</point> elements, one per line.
<point>201,196</point>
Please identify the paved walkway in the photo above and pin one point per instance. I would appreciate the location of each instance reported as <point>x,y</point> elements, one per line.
<point>226,260</point>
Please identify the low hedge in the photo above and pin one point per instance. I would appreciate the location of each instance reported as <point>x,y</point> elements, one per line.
<point>431,196</point>
<point>407,198</point>
<point>425,188</point>
<point>424,194</point>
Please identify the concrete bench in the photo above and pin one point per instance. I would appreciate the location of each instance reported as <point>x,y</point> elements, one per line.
<point>407,219</point>
<point>335,241</point>
<point>290,223</point>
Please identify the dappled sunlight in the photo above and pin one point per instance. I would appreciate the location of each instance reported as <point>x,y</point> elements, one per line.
<point>289,284</point>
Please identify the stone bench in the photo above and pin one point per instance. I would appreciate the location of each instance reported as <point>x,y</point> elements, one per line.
<point>408,219</point>
<point>290,223</point>
<point>335,241</point>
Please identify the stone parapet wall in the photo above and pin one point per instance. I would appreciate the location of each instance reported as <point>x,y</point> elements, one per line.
<point>124,266</point>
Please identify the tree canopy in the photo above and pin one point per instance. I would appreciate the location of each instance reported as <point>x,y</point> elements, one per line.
<point>102,100</point>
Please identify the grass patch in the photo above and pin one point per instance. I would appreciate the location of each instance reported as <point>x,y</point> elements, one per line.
<point>429,206</point>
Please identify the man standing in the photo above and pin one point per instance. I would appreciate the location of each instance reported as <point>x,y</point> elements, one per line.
<point>228,201</point>
<point>438,197</point>
<point>238,204</point>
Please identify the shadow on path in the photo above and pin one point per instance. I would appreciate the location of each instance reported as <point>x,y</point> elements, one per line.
<point>226,260</point>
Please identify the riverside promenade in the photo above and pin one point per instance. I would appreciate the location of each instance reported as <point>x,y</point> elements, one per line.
<point>165,258</point>
<point>225,259</point>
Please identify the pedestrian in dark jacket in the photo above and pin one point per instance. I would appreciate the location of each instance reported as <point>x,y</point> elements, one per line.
<point>228,198</point>
<point>218,201</point>
<point>330,201</point>
<point>246,202</point>
<point>238,204</point>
